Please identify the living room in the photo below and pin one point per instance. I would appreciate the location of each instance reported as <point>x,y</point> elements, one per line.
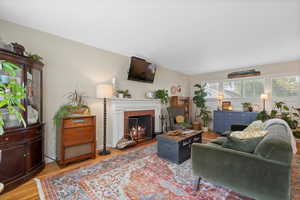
<point>110,100</point>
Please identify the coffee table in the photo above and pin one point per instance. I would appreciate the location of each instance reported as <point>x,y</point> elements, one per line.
<point>177,149</point>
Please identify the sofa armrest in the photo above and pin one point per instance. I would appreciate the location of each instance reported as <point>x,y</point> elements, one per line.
<point>243,172</point>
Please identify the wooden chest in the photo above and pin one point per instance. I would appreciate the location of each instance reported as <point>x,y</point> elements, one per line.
<point>76,139</point>
<point>177,149</point>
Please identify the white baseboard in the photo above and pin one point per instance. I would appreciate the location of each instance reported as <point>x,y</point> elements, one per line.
<point>99,147</point>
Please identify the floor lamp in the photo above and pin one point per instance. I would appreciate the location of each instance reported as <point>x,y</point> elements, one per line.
<point>220,98</point>
<point>104,91</point>
<point>264,97</point>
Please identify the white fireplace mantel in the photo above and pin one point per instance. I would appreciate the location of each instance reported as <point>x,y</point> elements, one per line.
<point>117,107</point>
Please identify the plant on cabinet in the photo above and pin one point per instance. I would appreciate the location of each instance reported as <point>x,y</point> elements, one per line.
<point>76,106</point>
<point>11,94</point>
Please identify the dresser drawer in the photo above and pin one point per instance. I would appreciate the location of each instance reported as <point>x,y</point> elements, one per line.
<point>11,138</point>
<point>78,122</point>
<point>79,135</point>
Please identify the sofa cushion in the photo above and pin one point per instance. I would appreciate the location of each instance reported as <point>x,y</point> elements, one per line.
<point>244,145</point>
<point>276,145</point>
<point>275,149</point>
<point>219,140</point>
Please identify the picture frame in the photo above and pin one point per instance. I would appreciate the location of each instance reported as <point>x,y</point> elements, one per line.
<point>226,105</point>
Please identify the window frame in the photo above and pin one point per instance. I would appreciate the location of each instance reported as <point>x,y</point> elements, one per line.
<point>210,82</point>
<point>264,80</point>
<point>284,76</point>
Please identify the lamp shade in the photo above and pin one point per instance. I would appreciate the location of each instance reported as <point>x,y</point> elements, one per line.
<point>220,96</point>
<point>104,91</point>
<point>264,96</point>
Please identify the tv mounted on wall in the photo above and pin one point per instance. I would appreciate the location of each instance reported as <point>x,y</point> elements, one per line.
<point>141,70</point>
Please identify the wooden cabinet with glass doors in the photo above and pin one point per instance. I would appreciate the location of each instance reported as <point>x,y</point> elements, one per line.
<point>21,148</point>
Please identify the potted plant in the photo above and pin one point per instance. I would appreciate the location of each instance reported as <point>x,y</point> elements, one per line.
<point>34,57</point>
<point>123,93</point>
<point>281,111</point>
<point>163,95</point>
<point>201,110</point>
<point>247,107</point>
<point>263,116</point>
<point>205,116</point>
<point>288,114</point>
<point>11,94</point>
<point>76,106</point>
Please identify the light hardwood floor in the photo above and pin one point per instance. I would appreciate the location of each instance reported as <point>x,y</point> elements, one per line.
<point>29,190</point>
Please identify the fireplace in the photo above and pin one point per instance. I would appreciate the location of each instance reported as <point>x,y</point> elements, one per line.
<point>139,125</point>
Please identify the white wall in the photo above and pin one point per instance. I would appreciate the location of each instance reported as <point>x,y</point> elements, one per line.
<point>267,72</point>
<point>70,65</point>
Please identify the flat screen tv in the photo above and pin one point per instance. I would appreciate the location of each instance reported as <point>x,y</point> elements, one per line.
<point>141,70</point>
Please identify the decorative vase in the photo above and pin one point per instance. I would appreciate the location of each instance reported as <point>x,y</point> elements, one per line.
<point>120,95</point>
<point>150,95</point>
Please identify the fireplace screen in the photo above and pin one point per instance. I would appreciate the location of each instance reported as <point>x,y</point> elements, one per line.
<point>139,128</point>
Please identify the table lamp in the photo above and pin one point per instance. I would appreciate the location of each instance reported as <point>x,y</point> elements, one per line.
<point>104,91</point>
<point>264,97</point>
<point>220,98</point>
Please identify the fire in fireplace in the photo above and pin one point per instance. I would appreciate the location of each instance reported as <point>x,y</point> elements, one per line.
<point>139,125</point>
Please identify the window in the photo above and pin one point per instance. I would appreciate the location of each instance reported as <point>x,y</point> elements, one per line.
<point>232,89</point>
<point>253,88</point>
<point>287,86</point>
<point>247,88</point>
<point>212,89</point>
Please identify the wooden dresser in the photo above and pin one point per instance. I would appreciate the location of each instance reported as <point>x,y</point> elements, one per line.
<point>76,139</point>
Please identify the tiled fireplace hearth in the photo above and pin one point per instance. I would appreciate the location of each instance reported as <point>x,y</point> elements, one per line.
<point>145,111</point>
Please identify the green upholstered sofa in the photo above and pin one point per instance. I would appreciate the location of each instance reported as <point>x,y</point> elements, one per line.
<point>262,175</point>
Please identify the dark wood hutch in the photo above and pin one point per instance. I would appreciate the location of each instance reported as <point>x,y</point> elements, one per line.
<point>21,149</point>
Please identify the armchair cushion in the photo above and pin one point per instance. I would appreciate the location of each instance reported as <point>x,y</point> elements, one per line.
<point>179,119</point>
<point>244,145</point>
<point>219,140</point>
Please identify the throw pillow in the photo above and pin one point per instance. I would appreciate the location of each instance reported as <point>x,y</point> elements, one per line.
<point>244,145</point>
<point>254,126</point>
<point>219,140</point>
<point>179,119</point>
<point>248,134</point>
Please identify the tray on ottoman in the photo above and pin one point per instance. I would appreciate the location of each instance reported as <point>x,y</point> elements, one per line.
<point>177,149</point>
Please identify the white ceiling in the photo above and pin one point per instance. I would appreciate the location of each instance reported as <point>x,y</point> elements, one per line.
<point>190,36</point>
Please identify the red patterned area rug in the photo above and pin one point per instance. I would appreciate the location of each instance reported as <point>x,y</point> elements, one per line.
<point>135,175</point>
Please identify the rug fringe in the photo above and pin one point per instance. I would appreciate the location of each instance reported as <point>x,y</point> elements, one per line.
<point>40,189</point>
